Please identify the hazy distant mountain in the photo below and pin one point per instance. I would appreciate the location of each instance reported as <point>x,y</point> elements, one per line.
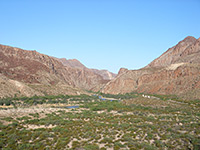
<point>74,63</point>
<point>177,71</point>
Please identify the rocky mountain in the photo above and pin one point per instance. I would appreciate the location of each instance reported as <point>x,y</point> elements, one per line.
<point>30,73</point>
<point>74,63</point>
<point>104,73</point>
<point>177,71</point>
<point>183,52</point>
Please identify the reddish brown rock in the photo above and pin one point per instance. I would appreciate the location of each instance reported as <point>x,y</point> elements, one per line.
<point>125,82</point>
<point>33,68</point>
<point>74,63</point>
<point>176,53</point>
<point>177,71</point>
<point>122,70</point>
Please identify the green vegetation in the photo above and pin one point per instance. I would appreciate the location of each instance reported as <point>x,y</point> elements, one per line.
<point>50,99</point>
<point>132,123</point>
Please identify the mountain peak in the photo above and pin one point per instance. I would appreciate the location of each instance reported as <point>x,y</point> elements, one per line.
<point>74,60</point>
<point>74,63</point>
<point>176,72</point>
<point>190,39</point>
<point>122,70</point>
<point>176,53</point>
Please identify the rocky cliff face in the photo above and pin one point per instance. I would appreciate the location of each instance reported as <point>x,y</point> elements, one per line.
<point>177,71</point>
<point>45,74</point>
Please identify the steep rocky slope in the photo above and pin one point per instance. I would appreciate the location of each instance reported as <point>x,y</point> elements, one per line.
<point>44,74</point>
<point>184,51</point>
<point>177,71</point>
<point>125,82</point>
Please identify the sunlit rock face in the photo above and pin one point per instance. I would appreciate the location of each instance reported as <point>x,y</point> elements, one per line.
<point>177,71</point>
<point>31,67</point>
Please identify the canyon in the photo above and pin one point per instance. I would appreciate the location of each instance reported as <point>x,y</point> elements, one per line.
<point>29,73</point>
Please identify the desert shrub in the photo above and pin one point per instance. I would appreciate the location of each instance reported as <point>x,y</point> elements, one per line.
<point>6,102</point>
<point>159,143</point>
<point>23,118</point>
<point>75,144</point>
<point>106,140</point>
<point>25,146</point>
<point>10,119</point>
<point>118,145</point>
<point>91,147</point>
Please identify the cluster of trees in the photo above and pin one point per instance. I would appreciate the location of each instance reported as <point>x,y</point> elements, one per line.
<point>49,99</point>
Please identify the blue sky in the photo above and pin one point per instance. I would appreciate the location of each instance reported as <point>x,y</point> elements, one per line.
<point>102,34</point>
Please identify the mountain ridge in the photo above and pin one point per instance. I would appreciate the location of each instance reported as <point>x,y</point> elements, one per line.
<point>176,71</point>
<point>74,63</point>
<point>44,74</point>
<point>29,73</point>
<point>172,55</point>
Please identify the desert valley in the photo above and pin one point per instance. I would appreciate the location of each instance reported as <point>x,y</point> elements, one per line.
<point>57,103</point>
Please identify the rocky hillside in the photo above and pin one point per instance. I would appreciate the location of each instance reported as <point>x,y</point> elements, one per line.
<point>26,73</point>
<point>184,52</point>
<point>177,71</point>
<point>43,74</point>
<point>74,63</point>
